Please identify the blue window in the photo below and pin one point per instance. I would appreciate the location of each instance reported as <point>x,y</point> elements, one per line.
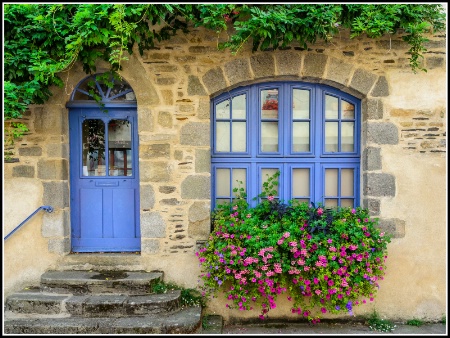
<point>308,132</point>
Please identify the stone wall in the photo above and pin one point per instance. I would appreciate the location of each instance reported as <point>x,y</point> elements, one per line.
<point>404,121</point>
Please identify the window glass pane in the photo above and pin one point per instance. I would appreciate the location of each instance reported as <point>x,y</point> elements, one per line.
<point>265,174</point>
<point>239,133</point>
<point>331,182</point>
<point>300,136</point>
<point>223,136</point>
<point>331,107</point>
<point>347,202</point>
<point>223,110</point>
<point>331,203</point>
<point>93,145</point>
<point>347,136</point>
<point>239,104</point>
<point>347,182</point>
<point>119,143</point>
<point>222,201</point>
<point>331,136</point>
<point>239,179</point>
<point>223,182</point>
<point>269,104</point>
<point>302,200</point>
<point>300,104</point>
<point>269,136</point>
<point>300,182</point>
<point>348,110</point>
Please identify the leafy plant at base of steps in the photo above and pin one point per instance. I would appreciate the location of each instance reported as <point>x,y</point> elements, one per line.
<point>189,296</point>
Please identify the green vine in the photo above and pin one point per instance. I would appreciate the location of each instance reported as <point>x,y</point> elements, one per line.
<point>41,41</point>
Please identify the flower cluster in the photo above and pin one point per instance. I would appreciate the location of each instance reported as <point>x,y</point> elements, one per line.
<point>326,260</point>
<point>270,104</point>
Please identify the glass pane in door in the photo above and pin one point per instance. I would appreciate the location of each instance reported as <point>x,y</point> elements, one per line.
<point>93,145</point>
<point>119,146</point>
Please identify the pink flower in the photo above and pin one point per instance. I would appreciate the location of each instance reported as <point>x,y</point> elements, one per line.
<point>319,211</point>
<point>270,198</point>
<point>353,211</point>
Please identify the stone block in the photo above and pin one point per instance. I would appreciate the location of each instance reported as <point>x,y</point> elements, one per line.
<point>152,225</point>
<point>314,65</point>
<point>56,224</point>
<point>288,63</point>
<point>194,86</point>
<point>372,109</point>
<point>147,197</point>
<point>381,87</point>
<point>202,161</point>
<point>23,171</point>
<point>382,133</point>
<point>214,80</point>
<point>237,71</point>
<point>379,184</point>
<point>196,187</point>
<point>30,151</point>
<point>154,151</point>
<point>362,81</point>
<point>263,65</point>
<point>372,158</point>
<point>339,71</point>
<point>195,134</point>
<point>56,194</point>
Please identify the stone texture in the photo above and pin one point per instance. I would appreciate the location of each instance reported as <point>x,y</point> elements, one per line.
<point>202,161</point>
<point>155,151</point>
<point>147,197</point>
<point>373,205</point>
<point>56,224</point>
<point>381,87</point>
<point>56,194</point>
<point>195,134</point>
<point>199,220</point>
<point>263,65</point>
<point>194,86</point>
<point>154,171</point>
<point>372,109</point>
<point>362,81</point>
<point>237,71</point>
<point>382,133</point>
<point>339,71</point>
<point>288,63</point>
<point>23,171</point>
<point>196,187</point>
<point>152,225</point>
<point>379,184</point>
<point>214,80</point>
<point>53,169</point>
<point>372,158</point>
<point>30,151</point>
<point>165,119</point>
<point>314,65</point>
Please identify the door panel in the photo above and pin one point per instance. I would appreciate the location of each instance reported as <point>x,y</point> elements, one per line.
<point>104,180</point>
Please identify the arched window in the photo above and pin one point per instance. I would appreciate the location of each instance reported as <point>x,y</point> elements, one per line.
<point>308,132</point>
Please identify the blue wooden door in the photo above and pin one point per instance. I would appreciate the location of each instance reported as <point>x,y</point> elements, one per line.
<point>104,180</point>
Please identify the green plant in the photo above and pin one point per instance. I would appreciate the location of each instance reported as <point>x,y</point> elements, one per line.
<point>189,296</point>
<point>324,259</point>
<point>443,319</point>
<point>415,322</point>
<point>378,324</point>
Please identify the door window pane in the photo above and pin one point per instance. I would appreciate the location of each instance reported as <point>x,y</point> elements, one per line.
<point>331,182</point>
<point>347,136</point>
<point>223,110</point>
<point>93,145</point>
<point>331,107</point>
<point>331,137</point>
<point>239,133</point>
<point>119,145</point>
<point>222,182</point>
<point>347,179</point>
<point>348,110</point>
<point>265,174</point>
<point>239,105</point>
<point>223,136</point>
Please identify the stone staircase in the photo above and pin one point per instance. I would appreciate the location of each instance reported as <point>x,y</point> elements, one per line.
<point>99,302</point>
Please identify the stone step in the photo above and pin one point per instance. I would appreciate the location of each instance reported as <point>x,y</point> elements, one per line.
<point>79,282</point>
<point>184,321</point>
<point>92,305</point>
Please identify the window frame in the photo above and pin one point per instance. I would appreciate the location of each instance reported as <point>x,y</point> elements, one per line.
<point>286,159</point>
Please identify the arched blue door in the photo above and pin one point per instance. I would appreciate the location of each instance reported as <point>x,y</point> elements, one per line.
<point>104,178</point>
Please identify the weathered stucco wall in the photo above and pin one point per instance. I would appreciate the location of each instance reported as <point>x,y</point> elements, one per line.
<point>403,162</point>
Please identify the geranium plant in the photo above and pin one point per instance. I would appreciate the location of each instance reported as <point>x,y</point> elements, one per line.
<point>326,260</point>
